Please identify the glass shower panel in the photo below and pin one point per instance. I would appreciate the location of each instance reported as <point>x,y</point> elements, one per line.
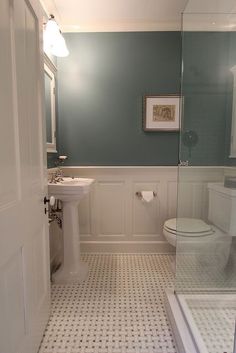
<point>205,283</point>
<point>205,254</point>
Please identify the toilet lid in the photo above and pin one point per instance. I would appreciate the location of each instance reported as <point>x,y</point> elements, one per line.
<point>188,225</point>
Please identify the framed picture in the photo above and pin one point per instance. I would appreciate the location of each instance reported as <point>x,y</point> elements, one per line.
<point>161,113</point>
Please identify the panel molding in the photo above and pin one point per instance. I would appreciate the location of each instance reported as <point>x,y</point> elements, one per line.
<point>110,207</point>
<point>143,213</point>
<point>163,180</point>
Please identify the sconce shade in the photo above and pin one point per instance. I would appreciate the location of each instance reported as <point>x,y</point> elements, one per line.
<point>54,42</point>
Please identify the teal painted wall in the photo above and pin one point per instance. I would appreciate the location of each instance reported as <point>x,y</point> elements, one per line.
<point>51,159</point>
<point>207,90</point>
<point>231,63</point>
<point>101,85</point>
<point>102,82</point>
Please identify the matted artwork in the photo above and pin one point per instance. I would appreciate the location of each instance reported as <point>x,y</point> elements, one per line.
<point>161,113</point>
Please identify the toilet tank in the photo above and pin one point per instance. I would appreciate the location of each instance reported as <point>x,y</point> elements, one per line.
<point>222,207</point>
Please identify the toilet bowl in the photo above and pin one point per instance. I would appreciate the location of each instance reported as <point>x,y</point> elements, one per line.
<point>200,245</point>
<point>187,229</point>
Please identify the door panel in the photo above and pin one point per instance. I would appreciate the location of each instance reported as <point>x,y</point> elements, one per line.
<point>8,159</point>
<point>24,248</point>
<point>14,288</point>
<point>32,62</point>
<point>12,302</point>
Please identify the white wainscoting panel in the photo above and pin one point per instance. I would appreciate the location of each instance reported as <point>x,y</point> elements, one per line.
<point>171,199</point>
<point>110,205</point>
<point>113,219</point>
<point>146,216</point>
<point>192,199</point>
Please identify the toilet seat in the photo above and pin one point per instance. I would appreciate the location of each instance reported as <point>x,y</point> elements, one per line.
<point>188,227</point>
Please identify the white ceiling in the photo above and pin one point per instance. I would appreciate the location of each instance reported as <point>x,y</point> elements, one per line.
<point>116,15</point>
<point>211,6</point>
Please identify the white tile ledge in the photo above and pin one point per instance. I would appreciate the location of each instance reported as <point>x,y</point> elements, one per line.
<point>183,338</point>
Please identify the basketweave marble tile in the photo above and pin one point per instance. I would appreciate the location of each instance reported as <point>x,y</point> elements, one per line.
<point>118,309</point>
<point>215,321</point>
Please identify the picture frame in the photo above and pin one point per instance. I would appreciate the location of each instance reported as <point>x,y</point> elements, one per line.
<point>161,113</point>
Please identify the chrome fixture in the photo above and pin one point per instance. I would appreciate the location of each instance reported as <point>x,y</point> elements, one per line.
<point>55,211</point>
<point>183,163</point>
<point>55,216</point>
<point>57,176</point>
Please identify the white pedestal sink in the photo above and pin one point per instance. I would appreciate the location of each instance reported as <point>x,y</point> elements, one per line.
<point>70,191</point>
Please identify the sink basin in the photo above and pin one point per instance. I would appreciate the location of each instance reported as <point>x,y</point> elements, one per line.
<point>70,191</point>
<point>70,188</point>
<point>72,181</point>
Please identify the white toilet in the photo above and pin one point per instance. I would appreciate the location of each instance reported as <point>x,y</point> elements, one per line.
<point>221,217</point>
<point>208,244</point>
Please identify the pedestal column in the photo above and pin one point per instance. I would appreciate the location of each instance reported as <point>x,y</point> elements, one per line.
<point>72,270</point>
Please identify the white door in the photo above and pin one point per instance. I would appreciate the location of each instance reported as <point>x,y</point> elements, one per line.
<point>24,255</point>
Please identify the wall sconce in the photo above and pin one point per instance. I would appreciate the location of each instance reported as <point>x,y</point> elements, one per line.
<point>53,41</point>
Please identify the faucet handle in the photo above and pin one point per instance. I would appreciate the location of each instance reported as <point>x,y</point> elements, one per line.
<point>52,179</point>
<point>60,160</point>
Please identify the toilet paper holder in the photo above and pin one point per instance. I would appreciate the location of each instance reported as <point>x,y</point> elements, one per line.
<point>139,194</point>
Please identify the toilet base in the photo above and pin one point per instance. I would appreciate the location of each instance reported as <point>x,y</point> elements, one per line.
<point>171,238</point>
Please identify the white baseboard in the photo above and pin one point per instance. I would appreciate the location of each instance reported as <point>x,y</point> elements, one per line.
<point>159,247</point>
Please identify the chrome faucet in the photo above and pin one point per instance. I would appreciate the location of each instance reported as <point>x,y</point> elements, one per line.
<point>57,176</point>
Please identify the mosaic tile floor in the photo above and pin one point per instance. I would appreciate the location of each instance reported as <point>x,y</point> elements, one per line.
<point>118,309</point>
<point>198,272</point>
<point>214,317</point>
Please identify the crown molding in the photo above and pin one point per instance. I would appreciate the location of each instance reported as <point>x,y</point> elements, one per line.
<point>123,27</point>
<point>198,22</point>
<point>49,8</point>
